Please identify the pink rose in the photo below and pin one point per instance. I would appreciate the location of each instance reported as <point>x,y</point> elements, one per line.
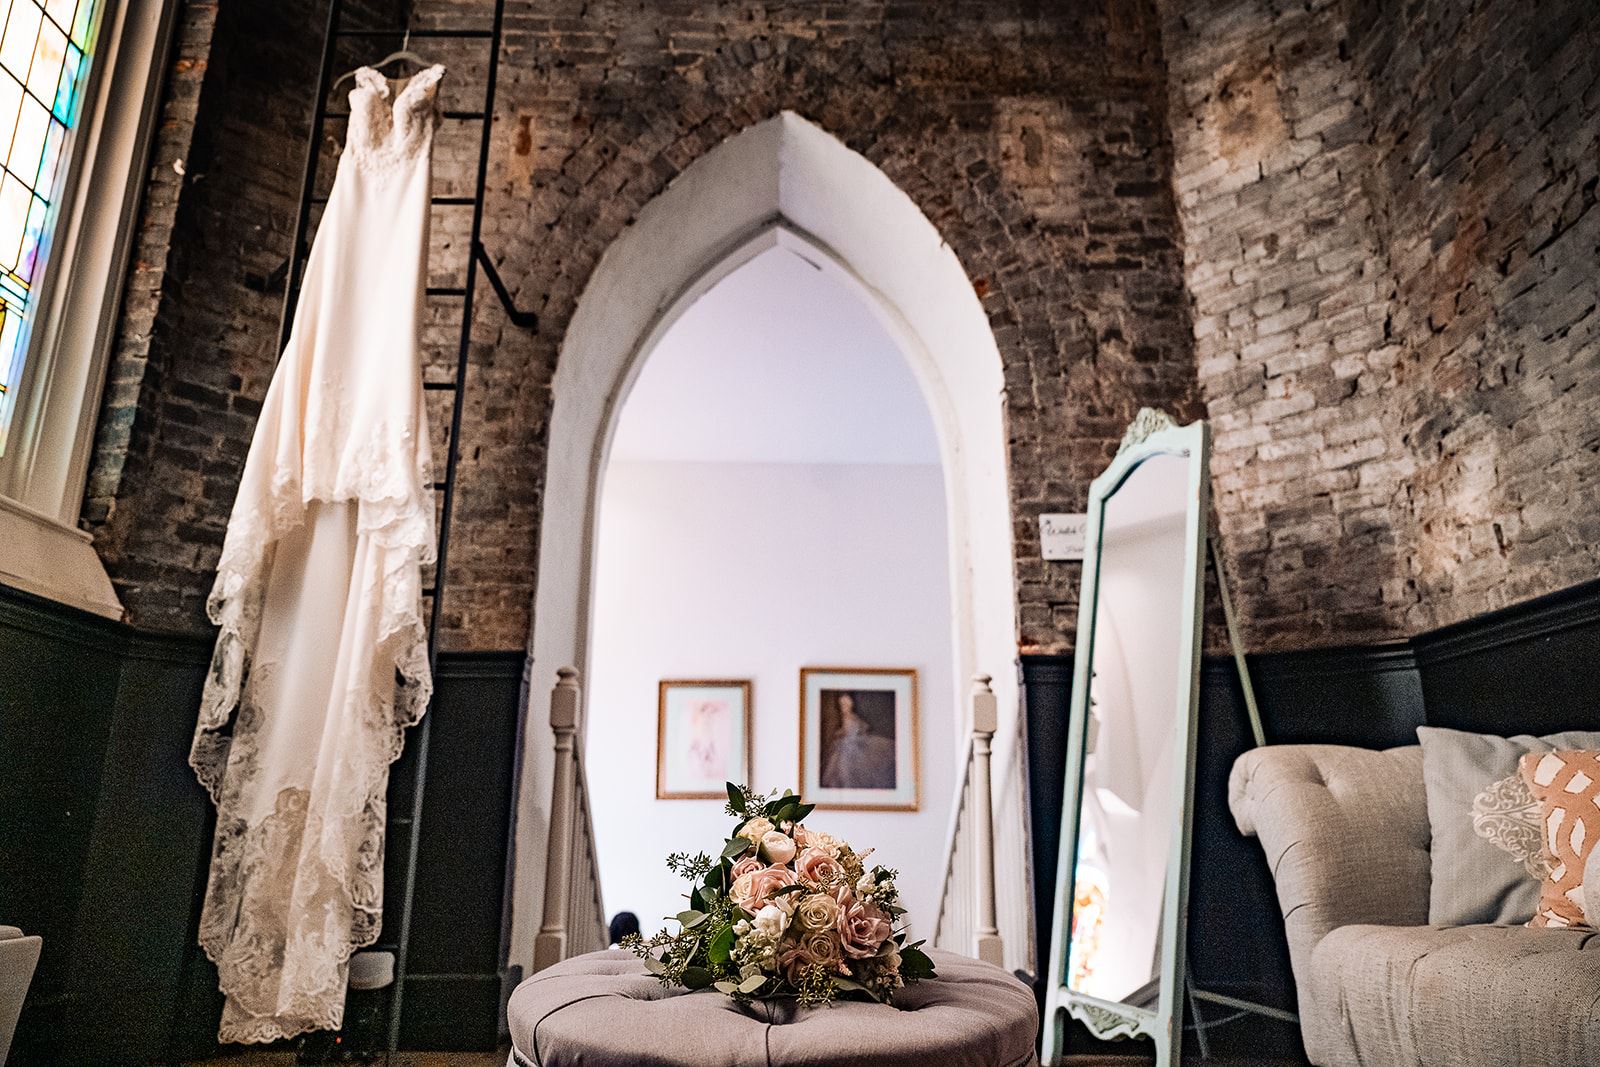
<point>748,865</point>
<point>815,865</point>
<point>753,891</point>
<point>862,927</point>
<point>808,950</point>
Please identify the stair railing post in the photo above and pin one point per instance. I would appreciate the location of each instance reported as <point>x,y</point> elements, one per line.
<point>987,945</point>
<point>551,944</point>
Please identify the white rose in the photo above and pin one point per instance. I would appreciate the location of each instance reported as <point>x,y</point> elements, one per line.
<point>756,828</point>
<point>778,846</point>
<point>771,921</point>
<point>823,841</point>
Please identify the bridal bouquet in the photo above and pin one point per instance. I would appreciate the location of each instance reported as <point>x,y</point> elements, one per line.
<point>785,911</point>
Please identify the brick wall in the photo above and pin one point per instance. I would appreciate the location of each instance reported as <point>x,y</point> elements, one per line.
<point>1391,248</point>
<point>1032,136</point>
<point>197,339</point>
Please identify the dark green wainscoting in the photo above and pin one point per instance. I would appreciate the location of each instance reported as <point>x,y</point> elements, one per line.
<point>105,837</point>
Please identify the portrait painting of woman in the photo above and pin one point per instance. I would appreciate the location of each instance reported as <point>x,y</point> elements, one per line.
<point>858,738</point>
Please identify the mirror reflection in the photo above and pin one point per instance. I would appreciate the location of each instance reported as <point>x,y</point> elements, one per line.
<point>1130,803</point>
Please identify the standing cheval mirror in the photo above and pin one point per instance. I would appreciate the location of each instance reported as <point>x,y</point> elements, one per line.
<point>1116,953</point>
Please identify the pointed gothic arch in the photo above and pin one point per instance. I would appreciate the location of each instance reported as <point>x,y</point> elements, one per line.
<point>786,182</point>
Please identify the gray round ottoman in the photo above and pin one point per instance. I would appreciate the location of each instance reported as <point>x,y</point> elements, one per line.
<point>603,1010</point>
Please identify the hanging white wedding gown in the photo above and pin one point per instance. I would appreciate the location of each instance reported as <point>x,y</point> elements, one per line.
<point>322,660</point>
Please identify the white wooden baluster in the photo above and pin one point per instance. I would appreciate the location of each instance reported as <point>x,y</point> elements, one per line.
<point>551,944</point>
<point>586,921</point>
<point>987,945</point>
<point>953,927</point>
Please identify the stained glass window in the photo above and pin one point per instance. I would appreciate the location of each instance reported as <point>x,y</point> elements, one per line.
<point>44,60</point>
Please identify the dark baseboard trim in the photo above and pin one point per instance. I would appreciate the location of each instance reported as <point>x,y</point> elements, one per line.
<point>1326,662</point>
<point>496,664</point>
<point>39,615</point>
<point>1545,616</point>
<point>1047,668</point>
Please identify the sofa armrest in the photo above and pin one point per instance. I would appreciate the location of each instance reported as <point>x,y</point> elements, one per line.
<point>1346,835</point>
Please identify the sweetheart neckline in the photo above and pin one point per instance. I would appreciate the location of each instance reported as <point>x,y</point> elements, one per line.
<point>388,92</point>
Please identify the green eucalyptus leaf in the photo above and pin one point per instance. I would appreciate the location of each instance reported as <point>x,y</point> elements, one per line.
<point>696,977</point>
<point>691,918</point>
<point>803,811</point>
<point>721,945</point>
<point>736,798</point>
<point>713,879</point>
<point>752,983</point>
<point>783,808</point>
<point>654,966</point>
<point>735,848</point>
<point>725,986</point>
<point>846,985</point>
<point>914,963</point>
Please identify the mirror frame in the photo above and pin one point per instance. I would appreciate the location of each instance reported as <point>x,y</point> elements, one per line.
<point>1151,434</point>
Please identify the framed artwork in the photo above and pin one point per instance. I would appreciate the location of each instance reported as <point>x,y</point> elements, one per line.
<point>702,739</point>
<point>858,738</point>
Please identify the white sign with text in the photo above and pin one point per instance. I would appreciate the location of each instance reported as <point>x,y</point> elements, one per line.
<point>1062,536</point>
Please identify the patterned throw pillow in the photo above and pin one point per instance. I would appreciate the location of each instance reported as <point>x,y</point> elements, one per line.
<point>1506,815</point>
<point>1566,783</point>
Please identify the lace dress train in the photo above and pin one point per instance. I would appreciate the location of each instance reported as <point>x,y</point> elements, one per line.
<point>321,661</point>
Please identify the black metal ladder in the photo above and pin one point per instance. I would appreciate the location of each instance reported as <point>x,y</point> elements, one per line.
<point>396,935</point>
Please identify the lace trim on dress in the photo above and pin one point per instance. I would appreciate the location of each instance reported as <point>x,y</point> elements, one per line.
<point>391,511</point>
<point>282,944</point>
<point>382,135</point>
<point>281,978</point>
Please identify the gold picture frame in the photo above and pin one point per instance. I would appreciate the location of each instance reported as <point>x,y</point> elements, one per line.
<point>700,745</point>
<point>881,767</point>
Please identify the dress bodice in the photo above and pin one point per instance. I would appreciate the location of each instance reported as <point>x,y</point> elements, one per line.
<point>388,127</point>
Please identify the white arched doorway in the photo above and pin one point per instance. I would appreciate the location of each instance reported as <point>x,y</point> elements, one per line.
<point>783,181</point>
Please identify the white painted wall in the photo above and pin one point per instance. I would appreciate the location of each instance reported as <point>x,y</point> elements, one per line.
<point>754,571</point>
<point>779,362</point>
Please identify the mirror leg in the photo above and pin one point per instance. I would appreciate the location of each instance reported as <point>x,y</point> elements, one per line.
<point>1199,1020</point>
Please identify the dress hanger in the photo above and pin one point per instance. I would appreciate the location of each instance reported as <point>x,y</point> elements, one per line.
<point>393,57</point>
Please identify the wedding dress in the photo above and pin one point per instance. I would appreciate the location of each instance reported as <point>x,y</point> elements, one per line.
<point>322,659</point>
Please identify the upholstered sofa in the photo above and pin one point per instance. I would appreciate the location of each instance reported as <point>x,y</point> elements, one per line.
<point>18,956</point>
<point>1346,835</point>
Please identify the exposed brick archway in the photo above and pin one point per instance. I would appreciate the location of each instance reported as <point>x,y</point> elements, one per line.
<point>1046,186</point>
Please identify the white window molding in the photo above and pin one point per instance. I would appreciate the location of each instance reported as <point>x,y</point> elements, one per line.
<point>50,559</point>
<point>44,470</point>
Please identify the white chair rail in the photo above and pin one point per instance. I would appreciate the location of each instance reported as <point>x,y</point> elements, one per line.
<point>574,919</point>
